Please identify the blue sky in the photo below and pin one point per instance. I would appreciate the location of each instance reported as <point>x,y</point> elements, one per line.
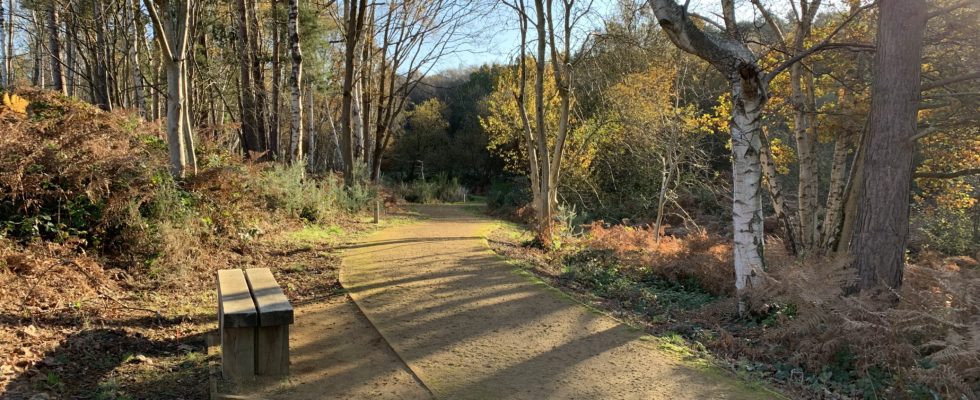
<point>497,37</point>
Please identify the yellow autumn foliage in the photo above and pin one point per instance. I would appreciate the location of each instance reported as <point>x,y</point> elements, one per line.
<point>14,103</point>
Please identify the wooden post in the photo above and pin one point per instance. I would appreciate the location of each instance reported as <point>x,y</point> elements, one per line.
<point>377,211</point>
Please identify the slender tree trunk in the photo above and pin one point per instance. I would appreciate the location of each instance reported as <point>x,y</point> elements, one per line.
<point>357,119</point>
<point>274,120</point>
<point>253,136</point>
<point>336,157</point>
<point>54,40</point>
<point>366,72</point>
<point>139,95</point>
<point>776,195</point>
<point>38,54</point>
<point>883,211</point>
<point>258,76</point>
<point>100,82</point>
<point>835,194</point>
<point>8,44</point>
<point>354,17</point>
<point>545,212</point>
<point>4,71</point>
<point>666,176</point>
<point>806,142</point>
<point>295,83</point>
<point>71,38</point>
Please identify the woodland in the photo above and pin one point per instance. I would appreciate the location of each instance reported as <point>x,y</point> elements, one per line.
<point>788,190</point>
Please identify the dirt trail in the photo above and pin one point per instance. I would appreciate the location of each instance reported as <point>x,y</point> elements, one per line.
<point>337,354</point>
<point>469,327</point>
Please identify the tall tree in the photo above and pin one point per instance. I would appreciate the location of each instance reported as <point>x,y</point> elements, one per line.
<point>253,124</point>
<point>413,37</point>
<point>100,73</point>
<point>172,36</point>
<point>54,48</point>
<point>6,43</point>
<point>882,224</point>
<point>295,83</point>
<point>354,11</point>
<point>732,57</point>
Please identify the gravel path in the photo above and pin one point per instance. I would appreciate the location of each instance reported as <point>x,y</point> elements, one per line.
<point>469,327</point>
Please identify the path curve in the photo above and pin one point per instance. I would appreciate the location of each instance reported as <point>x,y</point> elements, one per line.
<point>471,328</point>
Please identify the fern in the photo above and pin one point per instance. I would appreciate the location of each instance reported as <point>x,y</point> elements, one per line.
<point>15,103</point>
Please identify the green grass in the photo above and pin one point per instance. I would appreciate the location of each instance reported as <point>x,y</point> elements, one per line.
<point>316,234</point>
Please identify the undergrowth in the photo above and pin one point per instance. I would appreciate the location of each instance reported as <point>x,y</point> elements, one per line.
<point>95,231</point>
<point>921,342</point>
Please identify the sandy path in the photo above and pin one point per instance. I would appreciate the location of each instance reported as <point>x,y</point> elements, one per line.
<point>337,354</point>
<point>469,327</point>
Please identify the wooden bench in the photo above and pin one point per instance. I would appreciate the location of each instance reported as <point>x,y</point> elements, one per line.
<point>254,317</point>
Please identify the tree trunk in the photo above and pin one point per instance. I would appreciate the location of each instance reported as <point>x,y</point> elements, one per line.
<point>354,17</point>
<point>835,194</point>
<point>749,240</point>
<point>7,43</point>
<point>543,208</point>
<point>357,119</point>
<point>730,56</point>
<point>295,82</point>
<point>883,211</point>
<point>54,40</point>
<point>808,189</point>
<point>258,78</point>
<point>139,95</point>
<point>100,84</point>
<point>776,195</point>
<point>274,119</point>
<point>253,136</point>
<point>38,54</point>
<point>172,36</point>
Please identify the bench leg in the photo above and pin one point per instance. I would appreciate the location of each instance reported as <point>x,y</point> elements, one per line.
<point>238,354</point>
<point>272,358</point>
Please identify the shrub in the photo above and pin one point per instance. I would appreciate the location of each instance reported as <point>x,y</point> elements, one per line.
<point>290,188</point>
<point>509,194</point>
<point>948,231</point>
<point>71,172</point>
<point>440,189</point>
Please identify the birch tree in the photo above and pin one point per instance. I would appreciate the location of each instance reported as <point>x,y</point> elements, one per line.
<point>172,36</point>
<point>727,51</point>
<point>295,83</point>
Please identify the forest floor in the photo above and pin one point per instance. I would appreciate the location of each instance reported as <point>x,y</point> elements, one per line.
<point>469,325</point>
<point>144,343</point>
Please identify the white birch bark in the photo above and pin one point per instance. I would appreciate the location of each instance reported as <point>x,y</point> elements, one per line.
<point>736,62</point>
<point>357,120</point>
<point>295,82</point>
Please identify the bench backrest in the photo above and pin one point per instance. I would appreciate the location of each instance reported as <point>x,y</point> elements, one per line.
<point>270,302</point>
<point>236,307</point>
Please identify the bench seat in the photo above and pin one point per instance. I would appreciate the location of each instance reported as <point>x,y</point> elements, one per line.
<point>254,317</point>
